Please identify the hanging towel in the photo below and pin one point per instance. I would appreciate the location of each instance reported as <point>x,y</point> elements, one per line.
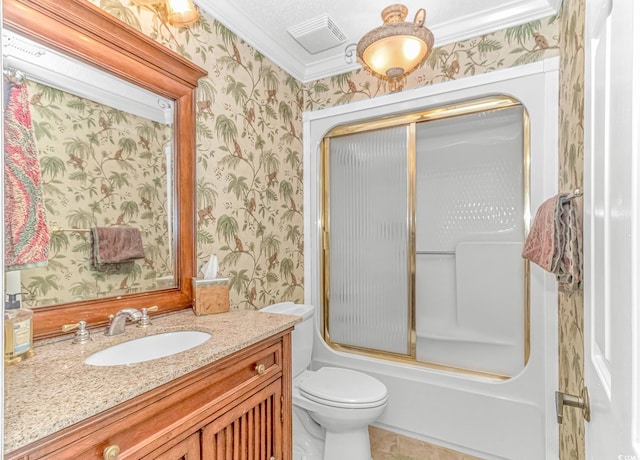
<point>26,230</point>
<point>115,248</point>
<point>554,241</point>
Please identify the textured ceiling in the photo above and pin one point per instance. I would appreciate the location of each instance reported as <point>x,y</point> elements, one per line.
<point>264,23</point>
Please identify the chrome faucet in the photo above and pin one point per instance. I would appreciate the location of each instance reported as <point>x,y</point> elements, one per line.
<point>116,326</point>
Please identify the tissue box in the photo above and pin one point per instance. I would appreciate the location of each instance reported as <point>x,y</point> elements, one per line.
<point>210,296</point>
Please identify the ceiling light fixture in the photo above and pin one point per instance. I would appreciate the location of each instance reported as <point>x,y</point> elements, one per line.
<point>180,13</point>
<point>396,48</point>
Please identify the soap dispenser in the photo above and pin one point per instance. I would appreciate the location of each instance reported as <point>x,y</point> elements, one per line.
<point>18,331</point>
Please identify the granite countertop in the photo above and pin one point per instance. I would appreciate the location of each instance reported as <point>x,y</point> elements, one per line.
<point>56,389</point>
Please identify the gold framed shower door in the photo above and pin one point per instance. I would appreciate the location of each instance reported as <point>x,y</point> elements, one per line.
<point>410,120</point>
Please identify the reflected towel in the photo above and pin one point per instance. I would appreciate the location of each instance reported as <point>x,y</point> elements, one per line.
<point>26,230</point>
<point>554,242</point>
<point>115,245</point>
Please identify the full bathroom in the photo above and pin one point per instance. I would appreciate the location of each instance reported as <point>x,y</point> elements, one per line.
<point>240,245</point>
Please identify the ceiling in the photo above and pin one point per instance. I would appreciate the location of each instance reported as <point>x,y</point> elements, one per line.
<point>263,24</point>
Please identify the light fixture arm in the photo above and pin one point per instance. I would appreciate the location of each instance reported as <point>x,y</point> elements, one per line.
<point>350,53</point>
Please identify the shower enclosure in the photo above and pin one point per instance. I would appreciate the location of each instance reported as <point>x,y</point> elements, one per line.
<point>424,217</point>
<point>478,408</point>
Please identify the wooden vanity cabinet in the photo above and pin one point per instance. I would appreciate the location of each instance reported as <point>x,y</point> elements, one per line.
<point>187,449</point>
<point>237,408</point>
<point>248,431</point>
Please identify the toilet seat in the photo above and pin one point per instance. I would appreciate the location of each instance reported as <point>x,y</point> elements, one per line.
<point>345,388</point>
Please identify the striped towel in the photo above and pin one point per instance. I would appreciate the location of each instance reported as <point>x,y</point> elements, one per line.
<point>26,230</point>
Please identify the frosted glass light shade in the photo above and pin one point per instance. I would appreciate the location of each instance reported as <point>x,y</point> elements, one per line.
<point>396,48</point>
<point>181,12</point>
<point>395,55</point>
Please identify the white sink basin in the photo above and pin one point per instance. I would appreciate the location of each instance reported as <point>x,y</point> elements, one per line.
<point>148,348</point>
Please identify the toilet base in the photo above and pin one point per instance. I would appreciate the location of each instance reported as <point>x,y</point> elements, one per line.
<point>308,437</point>
<point>349,445</point>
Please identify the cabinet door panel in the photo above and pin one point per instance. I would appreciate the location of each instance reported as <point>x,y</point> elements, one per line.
<point>189,449</point>
<point>249,431</point>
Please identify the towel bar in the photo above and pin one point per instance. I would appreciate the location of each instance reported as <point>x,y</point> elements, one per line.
<point>575,194</point>
<point>55,229</point>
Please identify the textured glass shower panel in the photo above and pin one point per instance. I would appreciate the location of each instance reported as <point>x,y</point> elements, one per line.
<point>469,233</point>
<point>368,240</point>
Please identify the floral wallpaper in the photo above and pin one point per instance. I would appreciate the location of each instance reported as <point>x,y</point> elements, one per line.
<point>571,169</point>
<point>249,157</point>
<point>523,44</point>
<point>249,137</point>
<point>249,148</point>
<point>100,167</point>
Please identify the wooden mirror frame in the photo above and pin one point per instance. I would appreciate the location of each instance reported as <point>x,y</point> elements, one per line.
<point>85,32</point>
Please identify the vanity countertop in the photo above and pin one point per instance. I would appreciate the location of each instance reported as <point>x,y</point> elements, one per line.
<point>56,389</point>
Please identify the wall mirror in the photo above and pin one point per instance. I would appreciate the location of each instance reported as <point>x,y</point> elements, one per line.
<point>113,120</point>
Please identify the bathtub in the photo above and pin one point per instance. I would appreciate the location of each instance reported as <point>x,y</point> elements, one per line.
<point>510,419</point>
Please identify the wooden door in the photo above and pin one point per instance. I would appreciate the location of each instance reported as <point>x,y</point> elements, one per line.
<point>252,430</point>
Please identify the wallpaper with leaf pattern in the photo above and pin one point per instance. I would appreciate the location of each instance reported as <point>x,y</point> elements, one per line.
<point>249,170</point>
<point>249,145</point>
<point>234,92</point>
<point>249,157</point>
<point>571,176</point>
<point>100,167</point>
<point>523,44</point>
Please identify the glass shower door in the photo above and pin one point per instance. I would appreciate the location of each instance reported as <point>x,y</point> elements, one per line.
<point>425,217</point>
<point>470,276</point>
<point>368,281</point>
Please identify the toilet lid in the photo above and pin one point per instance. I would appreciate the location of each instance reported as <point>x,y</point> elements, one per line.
<point>343,388</point>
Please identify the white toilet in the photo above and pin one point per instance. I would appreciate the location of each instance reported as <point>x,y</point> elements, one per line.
<point>332,407</point>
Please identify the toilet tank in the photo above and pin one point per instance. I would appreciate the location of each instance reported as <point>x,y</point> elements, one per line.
<point>302,335</point>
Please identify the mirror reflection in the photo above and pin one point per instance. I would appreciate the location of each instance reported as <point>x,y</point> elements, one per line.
<point>100,177</point>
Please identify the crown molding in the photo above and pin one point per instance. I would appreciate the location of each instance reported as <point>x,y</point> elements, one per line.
<point>462,28</point>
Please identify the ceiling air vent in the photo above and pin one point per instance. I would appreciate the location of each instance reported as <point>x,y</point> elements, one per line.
<point>317,34</point>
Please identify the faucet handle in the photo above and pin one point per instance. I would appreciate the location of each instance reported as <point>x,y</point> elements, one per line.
<point>144,321</point>
<point>81,335</point>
